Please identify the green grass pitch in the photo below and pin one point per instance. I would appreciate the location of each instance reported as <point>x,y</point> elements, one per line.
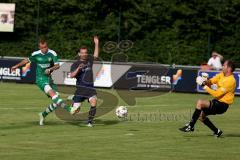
<point>149,132</point>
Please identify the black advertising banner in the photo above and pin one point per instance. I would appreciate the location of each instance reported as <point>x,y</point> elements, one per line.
<point>159,78</point>
<point>25,74</point>
<point>145,77</point>
<point>184,80</point>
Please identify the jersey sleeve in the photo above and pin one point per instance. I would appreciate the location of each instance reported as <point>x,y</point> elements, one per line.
<point>91,59</point>
<point>215,79</point>
<point>73,67</point>
<point>32,58</point>
<point>227,87</point>
<point>54,57</point>
<point>55,60</point>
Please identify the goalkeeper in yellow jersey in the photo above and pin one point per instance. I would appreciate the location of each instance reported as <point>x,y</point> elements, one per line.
<point>223,97</point>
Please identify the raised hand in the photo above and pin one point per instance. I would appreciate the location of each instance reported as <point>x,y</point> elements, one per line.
<point>95,39</point>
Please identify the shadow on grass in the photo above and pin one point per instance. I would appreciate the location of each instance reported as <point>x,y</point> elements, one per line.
<point>32,124</point>
<point>97,122</point>
<point>133,130</point>
<point>12,126</point>
<point>189,135</point>
<point>232,135</point>
<point>228,135</point>
<point>29,124</point>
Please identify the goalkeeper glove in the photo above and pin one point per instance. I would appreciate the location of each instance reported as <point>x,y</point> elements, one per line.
<point>200,80</point>
<point>205,76</point>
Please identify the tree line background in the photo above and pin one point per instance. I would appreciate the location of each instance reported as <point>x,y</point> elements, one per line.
<point>163,31</point>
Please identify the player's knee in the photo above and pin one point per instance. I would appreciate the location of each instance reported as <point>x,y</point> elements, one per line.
<point>76,104</point>
<point>47,89</point>
<point>199,104</point>
<point>93,101</point>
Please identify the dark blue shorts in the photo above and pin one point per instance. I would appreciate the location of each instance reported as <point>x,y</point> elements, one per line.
<point>79,98</point>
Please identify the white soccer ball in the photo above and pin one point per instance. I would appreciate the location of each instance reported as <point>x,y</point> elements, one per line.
<point>121,111</point>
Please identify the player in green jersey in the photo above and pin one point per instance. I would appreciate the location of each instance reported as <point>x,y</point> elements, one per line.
<point>47,61</point>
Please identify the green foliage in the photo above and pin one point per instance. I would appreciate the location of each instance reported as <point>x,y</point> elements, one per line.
<point>173,31</point>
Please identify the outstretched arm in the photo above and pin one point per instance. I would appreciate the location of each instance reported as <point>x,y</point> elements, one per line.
<point>96,49</point>
<point>220,56</point>
<point>20,64</point>
<point>50,70</point>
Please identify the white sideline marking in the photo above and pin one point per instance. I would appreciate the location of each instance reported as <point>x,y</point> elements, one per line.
<point>129,134</point>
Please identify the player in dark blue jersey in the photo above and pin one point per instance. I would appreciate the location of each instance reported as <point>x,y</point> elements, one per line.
<point>82,71</point>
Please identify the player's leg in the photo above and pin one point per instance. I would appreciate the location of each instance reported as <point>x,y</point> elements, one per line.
<point>49,109</point>
<point>215,107</point>
<point>45,87</point>
<point>55,97</point>
<point>203,118</point>
<point>92,110</point>
<point>57,101</point>
<point>201,104</point>
<point>44,114</point>
<point>77,102</point>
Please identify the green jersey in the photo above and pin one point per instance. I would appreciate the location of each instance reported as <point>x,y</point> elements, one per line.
<point>43,61</point>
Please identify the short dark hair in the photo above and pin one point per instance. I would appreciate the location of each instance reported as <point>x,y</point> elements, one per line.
<point>231,64</point>
<point>84,47</point>
<point>42,41</point>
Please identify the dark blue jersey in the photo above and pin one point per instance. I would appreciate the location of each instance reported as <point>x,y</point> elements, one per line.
<point>85,76</point>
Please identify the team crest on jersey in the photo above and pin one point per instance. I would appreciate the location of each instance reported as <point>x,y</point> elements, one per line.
<point>44,65</point>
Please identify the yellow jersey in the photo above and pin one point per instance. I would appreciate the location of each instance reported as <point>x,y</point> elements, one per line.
<point>226,86</point>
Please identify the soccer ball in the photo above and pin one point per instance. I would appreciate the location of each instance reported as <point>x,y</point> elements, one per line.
<point>121,111</point>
